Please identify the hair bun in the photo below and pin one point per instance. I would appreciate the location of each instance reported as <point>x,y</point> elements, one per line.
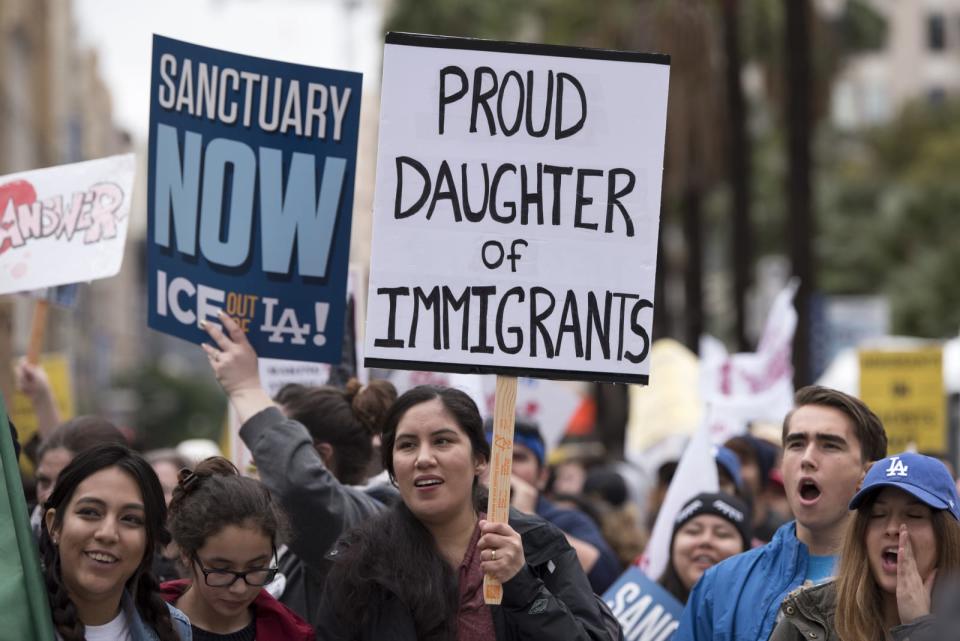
<point>352,389</point>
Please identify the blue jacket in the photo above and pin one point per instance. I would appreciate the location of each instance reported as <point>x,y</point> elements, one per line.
<point>738,599</point>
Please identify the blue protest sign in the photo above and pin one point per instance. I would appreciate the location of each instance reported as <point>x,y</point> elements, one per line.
<point>644,609</point>
<point>250,194</point>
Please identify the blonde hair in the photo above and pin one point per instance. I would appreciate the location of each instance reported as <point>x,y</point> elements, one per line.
<point>859,615</point>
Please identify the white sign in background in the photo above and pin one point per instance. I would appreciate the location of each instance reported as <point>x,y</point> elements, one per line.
<point>65,224</point>
<point>576,299</point>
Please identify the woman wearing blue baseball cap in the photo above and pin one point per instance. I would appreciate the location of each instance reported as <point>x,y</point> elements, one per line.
<point>904,536</point>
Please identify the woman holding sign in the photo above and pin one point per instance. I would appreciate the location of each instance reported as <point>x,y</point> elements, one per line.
<point>416,571</point>
<point>903,538</point>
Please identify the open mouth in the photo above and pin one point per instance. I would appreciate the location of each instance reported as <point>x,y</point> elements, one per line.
<point>889,559</point>
<point>809,491</point>
<point>426,483</point>
<point>102,557</point>
<point>704,560</point>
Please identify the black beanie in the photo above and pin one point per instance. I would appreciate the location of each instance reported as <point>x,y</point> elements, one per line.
<point>727,507</point>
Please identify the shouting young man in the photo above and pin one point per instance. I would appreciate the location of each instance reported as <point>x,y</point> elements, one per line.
<point>829,440</point>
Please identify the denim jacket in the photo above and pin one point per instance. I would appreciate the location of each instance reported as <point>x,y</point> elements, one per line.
<point>141,631</point>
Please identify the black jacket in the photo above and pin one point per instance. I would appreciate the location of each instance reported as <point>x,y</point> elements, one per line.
<point>550,598</point>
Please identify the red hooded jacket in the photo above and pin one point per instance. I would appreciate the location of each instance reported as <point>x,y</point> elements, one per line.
<point>275,621</point>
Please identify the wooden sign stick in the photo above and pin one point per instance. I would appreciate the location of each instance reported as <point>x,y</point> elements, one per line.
<point>501,460</point>
<point>37,330</point>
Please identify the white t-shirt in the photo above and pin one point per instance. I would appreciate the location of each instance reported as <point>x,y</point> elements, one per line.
<point>116,630</point>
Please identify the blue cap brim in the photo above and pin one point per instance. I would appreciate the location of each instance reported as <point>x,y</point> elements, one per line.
<point>918,492</point>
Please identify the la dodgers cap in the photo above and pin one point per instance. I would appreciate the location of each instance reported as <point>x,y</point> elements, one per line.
<point>924,477</point>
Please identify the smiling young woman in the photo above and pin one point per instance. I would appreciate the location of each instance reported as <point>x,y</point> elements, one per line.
<point>709,529</point>
<point>416,571</point>
<point>102,525</point>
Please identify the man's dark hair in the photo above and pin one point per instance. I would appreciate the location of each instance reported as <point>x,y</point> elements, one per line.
<point>866,424</point>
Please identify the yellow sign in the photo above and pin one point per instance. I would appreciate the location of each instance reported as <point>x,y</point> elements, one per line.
<point>905,389</point>
<point>57,367</point>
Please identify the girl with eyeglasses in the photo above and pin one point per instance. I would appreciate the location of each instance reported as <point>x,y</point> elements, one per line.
<point>227,527</point>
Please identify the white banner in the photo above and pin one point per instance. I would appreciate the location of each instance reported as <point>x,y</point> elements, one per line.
<point>751,386</point>
<point>64,224</point>
<point>516,209</point>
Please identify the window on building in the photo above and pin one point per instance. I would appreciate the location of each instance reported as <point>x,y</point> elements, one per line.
<point>936,32</point>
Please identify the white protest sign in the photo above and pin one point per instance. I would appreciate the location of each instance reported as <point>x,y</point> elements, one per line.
<point>64,224</point>
<point>516,210</point>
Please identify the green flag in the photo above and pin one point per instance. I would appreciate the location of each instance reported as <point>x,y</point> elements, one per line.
<point>24,611</point>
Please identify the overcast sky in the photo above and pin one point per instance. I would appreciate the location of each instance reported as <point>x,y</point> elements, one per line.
<point>320,33</point>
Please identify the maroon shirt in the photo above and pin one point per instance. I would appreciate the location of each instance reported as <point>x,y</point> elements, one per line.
<point>474,617</point>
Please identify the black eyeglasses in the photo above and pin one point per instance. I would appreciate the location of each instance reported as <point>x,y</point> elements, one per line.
<point>257,577</point>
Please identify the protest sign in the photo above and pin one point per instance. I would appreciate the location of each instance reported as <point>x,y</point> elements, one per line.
<point>644,609</point>
<point>905,389</point>
<point>64,224</point>
<point>738,389</point>
<point>516,210</point>
<point>250,195</point>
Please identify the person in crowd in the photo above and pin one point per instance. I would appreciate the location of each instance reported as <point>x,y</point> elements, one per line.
<point>416,571</point>
<point>607,489</point>
<point>300,457</point>
<point>60,447</point>
<point>102,524</point>
<point>904,537</point>
<point>829,440</point>
<point>227,528</point>
<point>757,458</point>
<point>571,461</point>
<point>729,477</point>
<point>167,464</point>
<point>529,478</point>
<point>31,380</point>
<point>711,527</point>
<point>729,480</point>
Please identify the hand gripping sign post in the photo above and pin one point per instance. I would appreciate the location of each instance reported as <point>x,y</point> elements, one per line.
<point>250,196</point>
<point>516,216</point>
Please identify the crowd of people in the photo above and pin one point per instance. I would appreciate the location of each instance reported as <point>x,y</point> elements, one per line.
<point>365,519</point>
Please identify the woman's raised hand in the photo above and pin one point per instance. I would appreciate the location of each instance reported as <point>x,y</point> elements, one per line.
<point>913,592</point>
<point>235,365</point>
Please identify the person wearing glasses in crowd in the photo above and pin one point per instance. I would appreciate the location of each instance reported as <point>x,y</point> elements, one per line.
<point>227,527</point>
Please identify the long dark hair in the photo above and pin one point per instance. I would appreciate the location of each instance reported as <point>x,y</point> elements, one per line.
<point>142,585</point>
<point>345,418</point>
<point>214,496</point>
<point>393,554</point>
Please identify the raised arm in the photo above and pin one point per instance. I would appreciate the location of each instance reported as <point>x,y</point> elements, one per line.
<point>32,380</point>
<point>320,507</point>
